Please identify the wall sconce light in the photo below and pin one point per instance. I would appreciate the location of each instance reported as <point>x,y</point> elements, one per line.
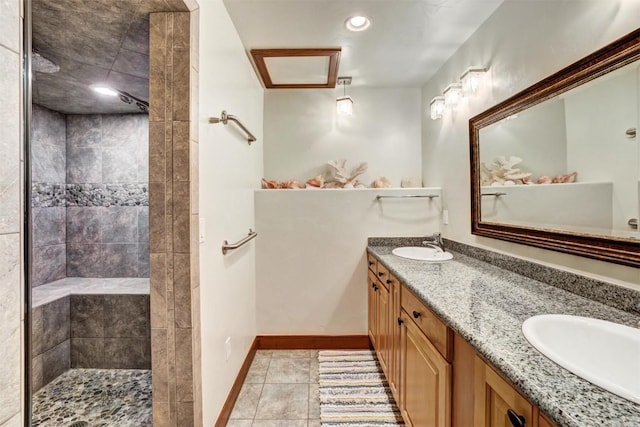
<point>471,79</point>
<point>437,107</point>
<point>452,94</point>
<point>344,104</point>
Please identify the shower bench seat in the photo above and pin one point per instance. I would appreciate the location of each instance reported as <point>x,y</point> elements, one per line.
<point>89,323</point>
<point>88,286</point>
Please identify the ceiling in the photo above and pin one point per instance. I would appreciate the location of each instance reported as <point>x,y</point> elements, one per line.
<point>407,42</point>
<point>93,42</point>
<point>107,41</point>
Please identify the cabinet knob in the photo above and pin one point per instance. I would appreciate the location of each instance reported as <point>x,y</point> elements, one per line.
<point>416,314</point>
<point>400,321</point>
<point>375,288</point>
<point>373,285</point>
<point>380,274</point>
<point>389,281</point>
<point>516,420</point>
<point>370,263</point>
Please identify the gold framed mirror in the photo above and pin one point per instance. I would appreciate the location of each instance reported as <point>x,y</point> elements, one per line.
<point>557,165</point>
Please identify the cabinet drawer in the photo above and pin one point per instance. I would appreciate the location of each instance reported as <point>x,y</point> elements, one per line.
<point>383,274</point>
<point>428,322</point>
<point>372,262</point>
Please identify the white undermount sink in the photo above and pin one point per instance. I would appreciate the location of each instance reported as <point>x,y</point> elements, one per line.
<point>422,253</point>
<point>604,353</point>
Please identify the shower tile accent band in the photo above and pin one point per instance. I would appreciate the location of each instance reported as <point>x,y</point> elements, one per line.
<point>45,195</point>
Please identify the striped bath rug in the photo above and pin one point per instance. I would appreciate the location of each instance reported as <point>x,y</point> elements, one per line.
<point>354,392</point>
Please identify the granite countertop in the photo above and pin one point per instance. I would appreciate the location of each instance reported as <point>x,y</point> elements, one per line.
<point>486,305</point>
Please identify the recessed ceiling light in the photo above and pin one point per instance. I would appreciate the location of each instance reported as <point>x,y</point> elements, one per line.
<point>105,90</point>
<point>357,23</point>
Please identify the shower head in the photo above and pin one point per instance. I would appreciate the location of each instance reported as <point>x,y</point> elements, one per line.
<point>42,64</point>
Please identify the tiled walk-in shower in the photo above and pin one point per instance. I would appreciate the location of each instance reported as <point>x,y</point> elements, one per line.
<point>91,332</point>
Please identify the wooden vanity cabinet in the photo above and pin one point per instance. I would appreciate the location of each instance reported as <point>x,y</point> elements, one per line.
<point>435,376</point>
<point>425,378</point>
<point>379,312</point>
<point>372,283</point>
<point>497,403</point>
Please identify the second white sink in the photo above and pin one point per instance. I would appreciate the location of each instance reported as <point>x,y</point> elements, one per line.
<point>604,353</point>
<point>422,253</point>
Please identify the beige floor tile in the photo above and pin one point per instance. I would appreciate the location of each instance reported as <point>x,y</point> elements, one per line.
<point>290,354</point>
<point>280,423</point>
<point>313,423</point>
<point>314,375</point>
<point>261,354</point>
<point>247,402</point>
<point>240,423</point>
<point>288,371</point>
<point>257,371</point>
<point>283,402</point>
<point>314,401</point>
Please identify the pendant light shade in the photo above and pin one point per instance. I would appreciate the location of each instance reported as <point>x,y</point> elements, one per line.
<point>344,104</point>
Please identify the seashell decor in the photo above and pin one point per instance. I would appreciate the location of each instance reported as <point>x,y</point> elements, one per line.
<point>337,176</point>
<point>503,172</point>
<point>381,182</point>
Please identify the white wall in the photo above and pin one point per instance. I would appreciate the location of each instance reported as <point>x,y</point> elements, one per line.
<point>521,43</point>
<point>579,207</point>
<point>597,117</point>
<point>302,132</point>
<point>311,263</point>
<point>230,170</point>
<point>543,149</point>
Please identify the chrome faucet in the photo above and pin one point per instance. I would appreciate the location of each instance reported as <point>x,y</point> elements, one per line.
<point>435,238</point>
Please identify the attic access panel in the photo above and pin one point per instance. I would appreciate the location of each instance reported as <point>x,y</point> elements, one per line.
<point>297,68</point>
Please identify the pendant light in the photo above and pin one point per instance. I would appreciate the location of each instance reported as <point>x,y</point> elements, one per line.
<point>344,104</point>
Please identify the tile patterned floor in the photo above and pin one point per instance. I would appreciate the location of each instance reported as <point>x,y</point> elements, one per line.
<point>281,390</point>
<point>101,397</point>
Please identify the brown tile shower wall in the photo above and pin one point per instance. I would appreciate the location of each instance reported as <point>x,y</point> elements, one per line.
<point>173,222</point>
<point>90,331</point>
<point>110,332</point>
<point>48,169</point>
<point>107,213</point>
<point>90,204</point>
<point>51,341</point>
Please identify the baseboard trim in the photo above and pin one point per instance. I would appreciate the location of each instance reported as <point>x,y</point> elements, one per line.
<point>225,412</point>
<point>312,342</point>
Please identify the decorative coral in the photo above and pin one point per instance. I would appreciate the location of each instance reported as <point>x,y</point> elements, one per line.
<point>503,170</point>
<point>338,177</point>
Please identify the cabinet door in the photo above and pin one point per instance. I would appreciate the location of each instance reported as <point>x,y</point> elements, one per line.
<point>373,308</point>
<point>425,379</point>
<point>382,338</point>
<point>497,403</point>
<point>394,337</point>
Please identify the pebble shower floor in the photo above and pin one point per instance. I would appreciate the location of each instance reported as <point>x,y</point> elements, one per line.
<point>99,397</point>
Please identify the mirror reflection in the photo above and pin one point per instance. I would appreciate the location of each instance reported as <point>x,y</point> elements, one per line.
<point>570,163</point>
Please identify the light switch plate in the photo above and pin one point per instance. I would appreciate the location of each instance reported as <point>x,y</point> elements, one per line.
<point>202,230</point>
